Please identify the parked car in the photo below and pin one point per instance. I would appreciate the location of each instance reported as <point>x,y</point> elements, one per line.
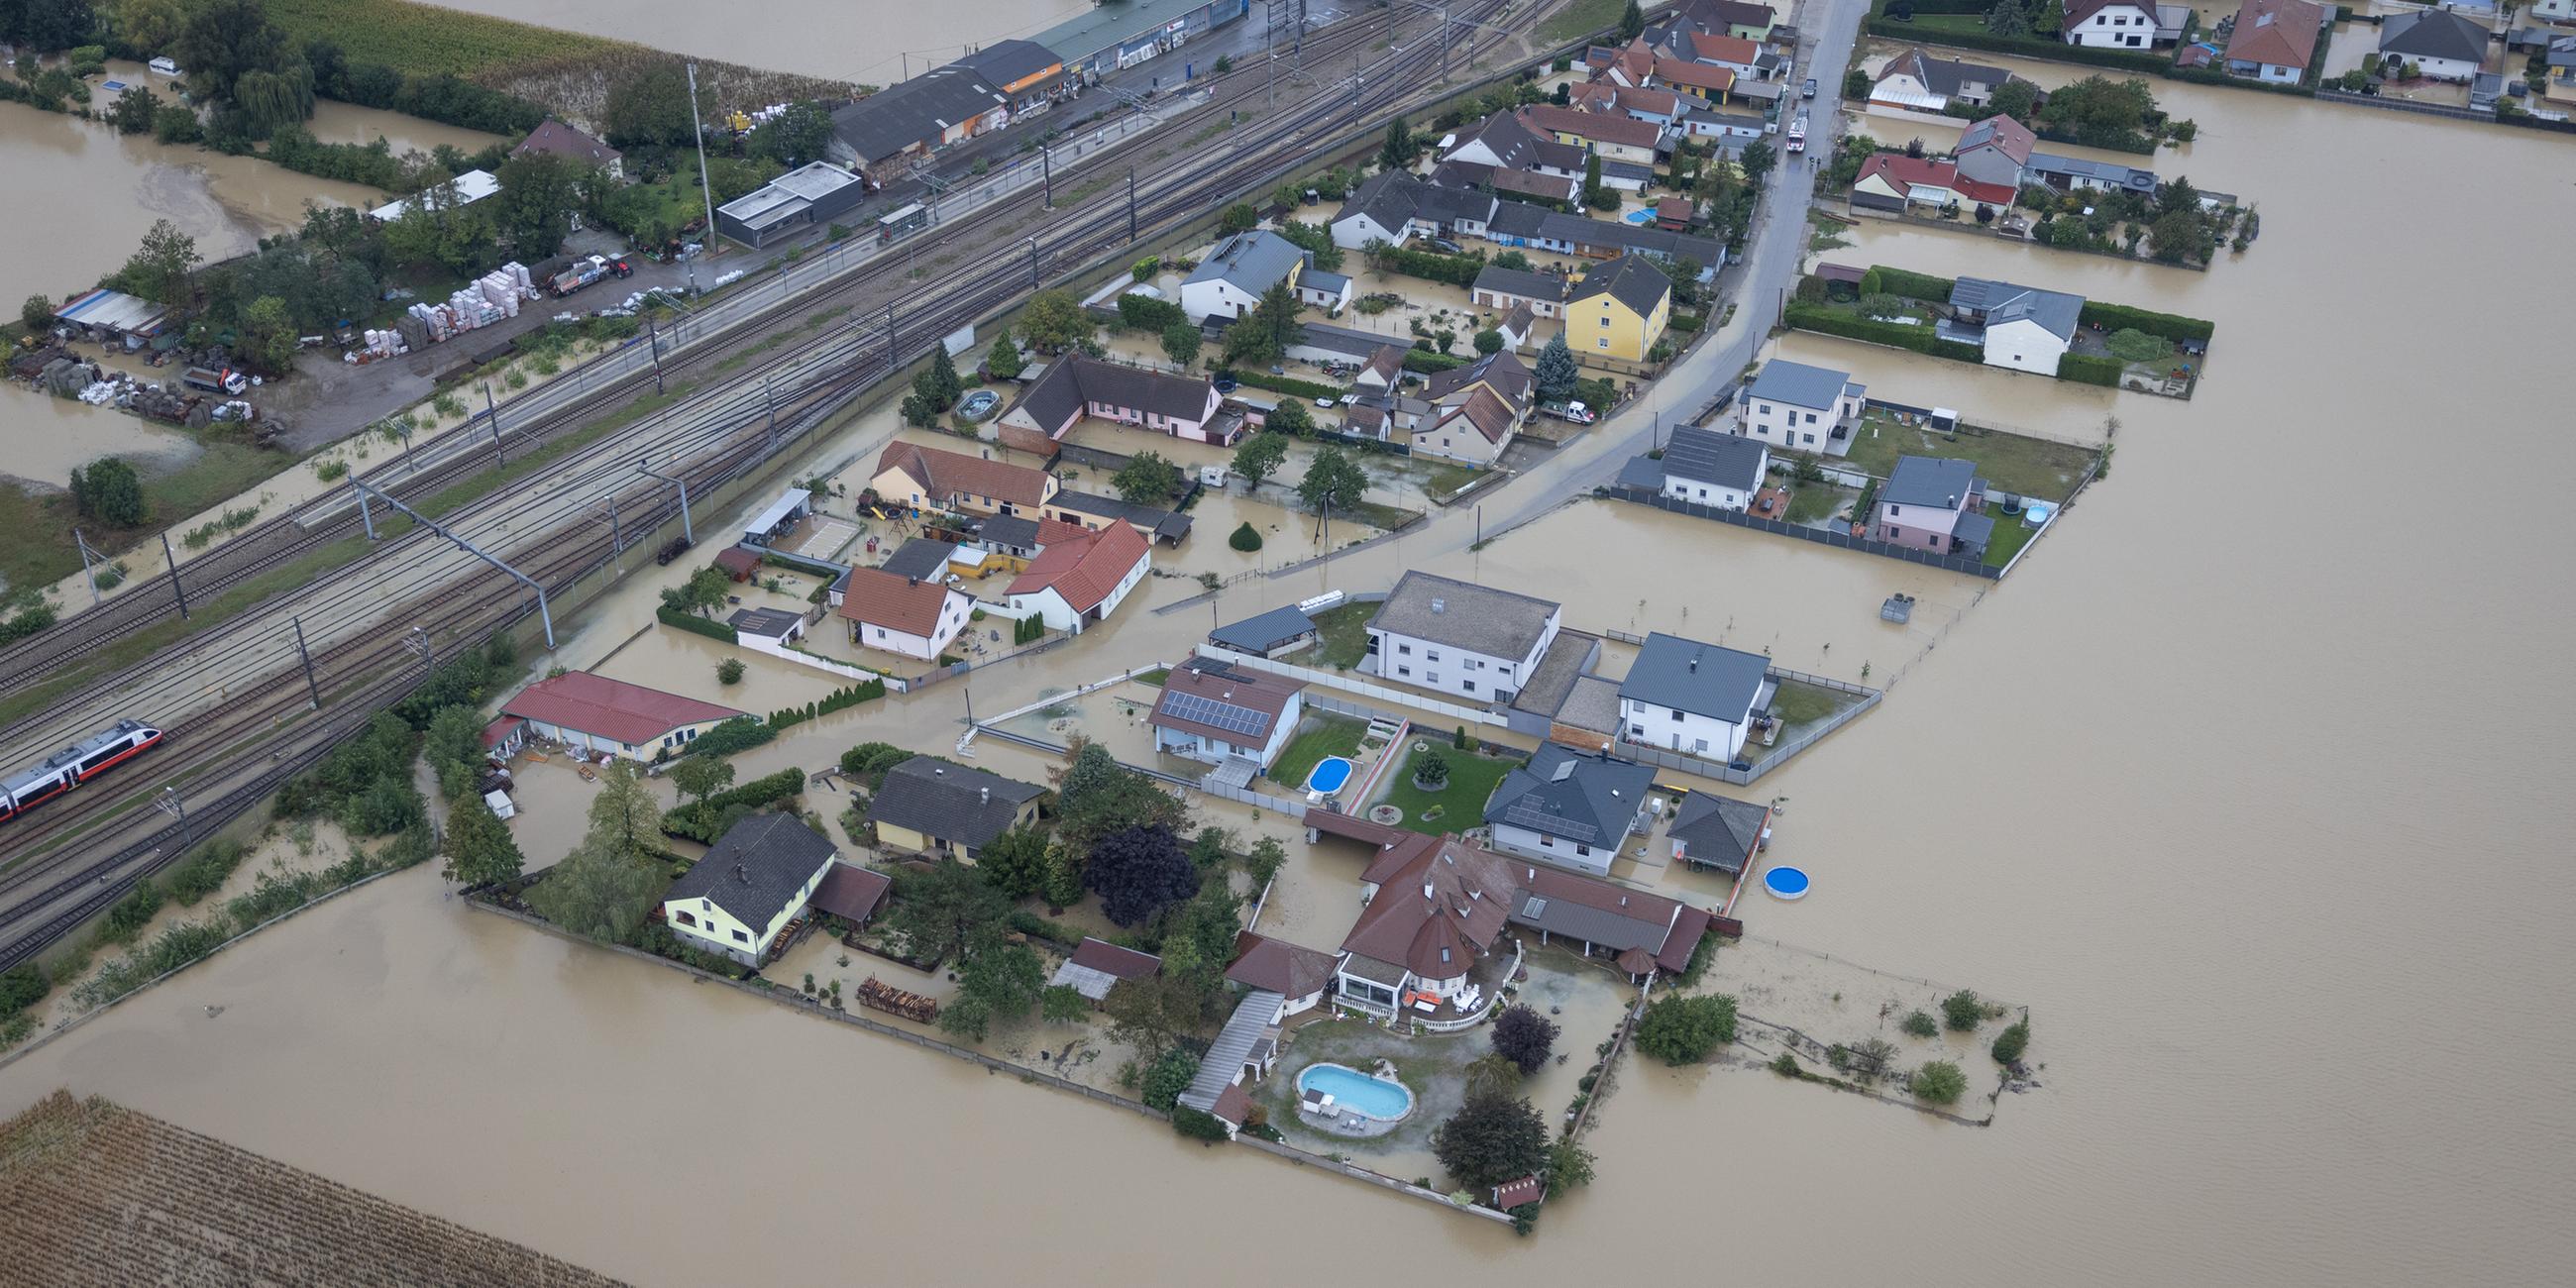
<point>1323,402</point>
<point>1808,90</point>
<point>1445,246</point>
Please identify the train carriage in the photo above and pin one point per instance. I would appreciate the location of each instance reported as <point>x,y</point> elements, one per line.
<point>74,765</point>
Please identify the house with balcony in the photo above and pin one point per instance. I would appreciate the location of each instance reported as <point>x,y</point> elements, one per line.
<point>1570,808</point>
<point>1705,467</point>
<point>743,897</point>
<point>1424,943</point>
<point>1809,409</point>
<point>1459,638</point>
<point>1699,699</point>
<point>1935,504</point>
<point>2019,327</point>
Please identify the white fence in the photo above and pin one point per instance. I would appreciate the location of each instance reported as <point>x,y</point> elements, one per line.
<point>1336,680</point>
<point>763,644</point>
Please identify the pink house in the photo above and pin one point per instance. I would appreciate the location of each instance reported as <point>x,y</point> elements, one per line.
<point>1933,504</point>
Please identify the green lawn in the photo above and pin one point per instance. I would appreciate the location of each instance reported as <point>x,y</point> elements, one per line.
<point>2024,466</point>
<point>1447,478</point>
<point>1809,502</point>
<point>40,549</point>
<point>1472,778</point>
<point>1344,629</point>
<point>1320,736</point>
<point>2011,534</point>
<point>1580,18</point>
<point>1930,26</point>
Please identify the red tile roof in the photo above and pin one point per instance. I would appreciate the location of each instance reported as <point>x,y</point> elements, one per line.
<point>1604,96</point>
<point>851,893</point>
<point>1512,1194</point>
<point>1233,1104</point>
<point>611,709</point>
<point>1438,913</point>
<point>880,598</point>
<point>738,561</point>
<point>1290,970</point>
<point>499,730</point>
<point>1084,570</point>
<point>946,474</point>
<point>1118,963</point>
<point>2282,33</point>
<point>1722,48</point>
<point>1635,61</point>
<point>1904,173</point>
<point>1696,75</point>
<point>1051,531</point>
<point>1601,126</point>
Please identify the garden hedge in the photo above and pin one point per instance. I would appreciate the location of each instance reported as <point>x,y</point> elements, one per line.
<point>713,630</point>
<point>2090,369</point>
<point>2117,317</point>
<point>1920,339</point>
<point>1429,363</point>
<point>2028,46</point>
<point>1456,270</point>
<point>1145,313</point>
<point>698,822</point>
<point>1913,285</point>
<point>1281,384</point>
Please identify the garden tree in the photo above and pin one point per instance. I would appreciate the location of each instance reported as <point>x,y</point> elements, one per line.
<point>2010,1044</point>
<point>1181,343</point>
<point>1138,872</point>
<point>438,230</point>
<point>1594,195</point>
<point>651,106</point>
<point>1569,1165</point>
<point>1263,860</point>
<point>1856,84</point>
<point>1939,1082</point>
<point>38,313</point>
<point>1147,479</point>
<point>729,671</point>
<point>221,41</point>
<point>2180,237</point>
<point>999,983</point>
<point>1003,360</point>
<point>270,99</point>
<point>2099,111</point>
<point>1238,218</point>
<point>1882,305</point>
<point>1489,341</point>
<point>1261,455</point>
<point>1811,290</point>
<point>1490,1140</point>
<point>1263,335</point>
<point>148,25</point>
<point>1062,887</point>
<point>453,746</point>
<point>539,193</point>
<point>108,490</point>
<point>949,910</point>
<point>1873,281</point>
<point>1431,769</point>
<point>1683,273</point>
<point>1209,923</point>
<point>2177,196</point>
<point>1288,418</point>
<point>384,807</point>
<point>133,111</point>
<point>1756,161</point>
<point>1317,240</point>
<point>1513,259</point>
<point>624,819</point>
<point>479,849</point>
<point>1168,1077</point>
<point>1099,796</point>
<point>1015,862</point>
<point>701,593</point>
<point>1400,149</point>
<point>1490,1075</point>
<point>1632,22</point>
<point>1063,1004</point>
<point>2008,18</point>
<point>1333,482</point>
<point>1684,1030</point>
<point>2016,98</point>
<point>599,890</point>
<point>795,137</point>
<point>702,776</point>
<point>1207,849</point>
<point>1150,1013</point>
<point>1245,537</point>
<point>267,343</point>
<point>1555,374</point>
<point>1962,1011</point>
<point>1524,1037</point>
<point>1055,322</point>
<point>47,25</point>
<point>159,268</point>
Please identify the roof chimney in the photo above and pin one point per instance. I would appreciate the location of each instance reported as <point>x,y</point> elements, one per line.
<point>1439,605</point>
<point>740,875</point>
<point>1694,664</point>
<point>985,795</point>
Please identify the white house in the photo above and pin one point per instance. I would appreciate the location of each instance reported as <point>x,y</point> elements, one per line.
<point>1811,409</point>
<point>742,895</point>
<point>1934,504</point>
<point>1082,579</point>
<point>2274,40</point>
<point>905,615</point>
<point>1213,712</point>
<point>1571,808</point>
<point>1699,699</point>
<point>2122,24</point>
<point>1244,266</point>
<point>1460,638</point>
<point>1917,80</point>
<point>1705,467</point>
<point>606,717</point>
<point>2020,327</point>
<point>2441,45</point>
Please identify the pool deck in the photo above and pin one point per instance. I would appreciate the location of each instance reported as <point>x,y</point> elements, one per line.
<point>1350,1122</point>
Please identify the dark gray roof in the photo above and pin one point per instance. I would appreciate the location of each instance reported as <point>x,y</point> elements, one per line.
<point>1944,76</point>
<point>1005,61</point>
<point>763,621</point>
<point>1362,345</point>
<point>950,801</point>
<point>1518,146</point>
<point>1521,219</point>
<point>1166,525</point>
<point>1496,623</point>
<point>1707,456</point>
<point>2117,176</point>
<point>1718,830</point>
<point>1582,797</point>
<point>1642,471</point>
<point>1703,679</point>
<point>917,111</point>
<point>1800,384</point>
<point>1544,689</point>
<point>1387,198</point>
<point>1011,530</point>
<point>2003,302</point>
<point>1517,281</point>
<point>1974,528</point>
<point>756,868</point>
<point>1253,262</point>
<point>921,559</point>
<point>1501,370</point>
<point>1074,380</point>
<point>1264,631</point>
<point>2562,52</point>
<point>2433,33</point>
<point>1633,280</point>
<point>1930,481</point>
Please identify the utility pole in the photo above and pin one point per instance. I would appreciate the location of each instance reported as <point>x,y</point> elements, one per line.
<point>890,345</point>
<point>307,655</point>
<point>418,642</point>
<point>705,190</point>
<point>616,535</point>
<point>544,611</point>
<point>769,404</point>
<point>1033,263</point>
<point>492,412</point>
<point>1444,42</point>
<point>1046,171</point>
<point>86,574</point>
<point>1131,206</point>
<point>172,803</point>
<point>687,529</point>
<point>652,337</point>
<point>175,587</point>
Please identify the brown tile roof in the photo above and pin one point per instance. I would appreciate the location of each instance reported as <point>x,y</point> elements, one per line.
<point>1489,415</point>
<point>1635,61</point>
<point>613,709</point>
<point>1112,960</point>
<point>1520,319</point>
<point>1696,75</point>
<point>562,140</point>
<point>2280,32</point>
<point>851,893</point>
<point>1600,126</point>
<point>738,561</point>
<point>1437,914</point>
<point>880,598</point>
<point>1387,363</point>
<point>1252,690</point>
<point>1290,970</point>
<point>1085,569</point>
<point>1233,1104</point>
<point>1723,48</point>
<point>1512,1194</point>
<point>944,475</point>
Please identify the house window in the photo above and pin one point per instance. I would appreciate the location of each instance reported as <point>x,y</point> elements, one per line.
<point>1469,685</point>
<point>741,938</point>
<point>1547,842</point>
<point>1404,670</point>
<point>685,919</point>
<point>1602,343</point>
<point>1431,655</point>
<point>1431,677</point>
<point>1811,418</point>
<point>1582,849</point>
<point>1637,730</point>
<point>1405,649</point>
<point>1677,716</point>
<point>1700,744</point>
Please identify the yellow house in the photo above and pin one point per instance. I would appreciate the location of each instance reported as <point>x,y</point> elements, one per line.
<point>1619,310</point>
<point>929,806</point>
<point>742,896</point>
<point>928,478</point>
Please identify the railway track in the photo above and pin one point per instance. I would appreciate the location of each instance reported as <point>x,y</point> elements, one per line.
<point>44,894</point>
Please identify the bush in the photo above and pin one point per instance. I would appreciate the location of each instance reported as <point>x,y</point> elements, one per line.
<point>1427,362</point>
<point>1169,1077</point>
<point>2118,317</point>
<point>2090,369</point>
<point>1684,1030</point>
<point>708,627</point>
<point>729,671</point>
<point>1920,1024</point>
<point>131,914</point>
<point>1920,286</point>
<point>1198,1125</point>
<point>738,734</point>
<point>1456,270</point>
<point>2010,1044</point>
<point>1246,538</point>
<point>1962,1011</point>
<point>1939,1082</point>
<point>22,986</point>
<point>1920,339</point>
<point>1145,313</point>
<point>1282,384</point>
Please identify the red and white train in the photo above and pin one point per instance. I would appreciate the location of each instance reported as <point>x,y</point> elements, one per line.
<point>74,765</point>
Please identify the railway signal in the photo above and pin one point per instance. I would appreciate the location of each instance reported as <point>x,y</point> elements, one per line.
<point>172,803</point>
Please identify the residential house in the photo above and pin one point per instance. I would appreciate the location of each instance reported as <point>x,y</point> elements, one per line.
<point>1383,371</point>
<point>777,625</point>
<point>1473,429</point>
<point>1932,503</point>
<point>1098,966</point>
<point>1214,712</point>
<point>2274,40</point>
<point>2122,24</point>
<point>2553,10</point>
<point>1994,151</point>
<point>1518,327</point>
<point>2070,174</point>
<point>1619,309</point>
<point>1610,137</point>
<point>919,559</point>
<point>1746,58</point>
<point>1012,542</point>
<point>903,123</point>
<point>1502,288</point>
<point>1076,386</point>
<point>1432,916</point>
<point>1504,141</point>
<point>1644,934</point>
<point>1632,64</point>
<point>1698,81</point>
<point>1519,225</point>
<point>928,806</point>
<point>1710,831</point>
<point>741,897</point>
<point>2439,44</point>
<point>1569,807</point>
<point>1276,633</point>
<point>1731,129</point>
<point>928,478</point>
<point>2020,327</point>
<point>2561,61</point>
<point>905,615</point>
<point>1082,580</point>
<point>1531,185</point>
<point>1919,81</point>
<point>1811,409</point>
<point>1897,182</point>
<point>1028,73</point>
<point>1700,699</point>
<point>1243,268</point>
<point>1502,374</point>
<point>1653,106</point>
<point>602,717</point>
<point>1460,638</point>
<point>1705,467</point>
<point>554,138</point>
<point>1091,511</point>
<point>1301,976</point>
<point>1732,17</point>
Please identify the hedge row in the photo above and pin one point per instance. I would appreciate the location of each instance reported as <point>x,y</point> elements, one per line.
<point>1431,363</point>
<point>1920,339</point>
<point>713,630</point>
<point>1145,313</point>
<point>1456,270</point>
<point>838,699</point>
<point>1913,285</point>
<point>1282,384</point>
<point>2090,369</point>
<point>698,822</point>
<point>742,733</point>
<point>2120,317</point>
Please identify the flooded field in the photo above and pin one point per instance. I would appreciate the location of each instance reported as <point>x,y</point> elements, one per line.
<point>829,40</point>
<point>2175,787</point>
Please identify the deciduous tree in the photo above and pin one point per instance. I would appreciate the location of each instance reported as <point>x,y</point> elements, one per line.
<point>1260,456</point>
<point>1333,482</point>
<point>1054,322</point>
<point>1147,479</point>
<point>1524,1037</point>
<point>649,106</point>
<point>1264,335</point>
<point>1490,1140</point>
<point>599,891</point>
<point>1939,1082</point>
<point>1099,796</point>
<point>453,746</point>
<point>109,489</point>
<point>795,137</point>
<point>1317,240</point>
<point>1015,862</point>
<point>1138,872</point>
<point>702,776</point>
<point>1684,1030</point>
<point>1168,1077</point>
<point>949,910</point>
<point>267,342</point>
<point>539,193</point>
<point>1181,343</point>
<point>160,267</point>
<point>625,820</point>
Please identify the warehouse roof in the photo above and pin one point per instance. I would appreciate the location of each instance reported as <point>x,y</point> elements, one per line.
<point>917,112</point>
<point>612,709</point>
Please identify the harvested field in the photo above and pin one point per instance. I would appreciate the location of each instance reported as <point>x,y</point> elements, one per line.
<point>93,1193</point>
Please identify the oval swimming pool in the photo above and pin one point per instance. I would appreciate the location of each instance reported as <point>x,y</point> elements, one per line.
<point>1329,775</point>
<point>1361,1094</point>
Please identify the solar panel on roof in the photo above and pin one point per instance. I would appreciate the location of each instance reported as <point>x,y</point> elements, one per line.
<point>1215,714</point>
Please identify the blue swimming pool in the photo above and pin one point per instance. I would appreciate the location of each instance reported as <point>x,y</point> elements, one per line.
<point>1638,216</point>
<point>1358,1092</point>
<point>1329,775</point>
<point>1785,882</point>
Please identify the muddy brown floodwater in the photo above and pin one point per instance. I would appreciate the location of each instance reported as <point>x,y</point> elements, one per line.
<point>864,43</point>
<point>2256,803</point>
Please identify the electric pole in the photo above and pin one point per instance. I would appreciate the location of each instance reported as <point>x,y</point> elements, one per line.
<point>706,190</point>
<point>172,803</point>
<point>652,337</point>
<point>1131,206</point>
<point>175,587</point>
<point>492,411</point>
<point>86,574</point>
<point>307,655</point>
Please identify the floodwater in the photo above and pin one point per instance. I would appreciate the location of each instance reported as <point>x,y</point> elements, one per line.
<point>867,43</point>
<point>2252,807</point>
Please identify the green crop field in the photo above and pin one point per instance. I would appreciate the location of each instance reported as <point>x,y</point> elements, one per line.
<point>423,39</point>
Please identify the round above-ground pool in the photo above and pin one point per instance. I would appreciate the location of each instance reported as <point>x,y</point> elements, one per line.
<point>1329,775</point>
<point>1383,1099</point>
<point>1785,882</point>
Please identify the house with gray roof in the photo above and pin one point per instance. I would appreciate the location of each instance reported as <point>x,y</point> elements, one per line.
<point>1243,267</point>
<point>1705,467</point>
<point>2067,174</point>
<point>932,807</point>
<point>2440,44</point>
<point>1933,503</point>
<point>1698,699</point>
<point>1570,808</point>
<point>744,894</point>
<point>1272,634</point>
<point>1460,638</point>
<point>1716,832</point>
<point>941,106</point>
<point>2020,327</point>
<point>1503,288</point>
<point>1925,83</point>
<point>1075,386</point>
<point>1802,407</point>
